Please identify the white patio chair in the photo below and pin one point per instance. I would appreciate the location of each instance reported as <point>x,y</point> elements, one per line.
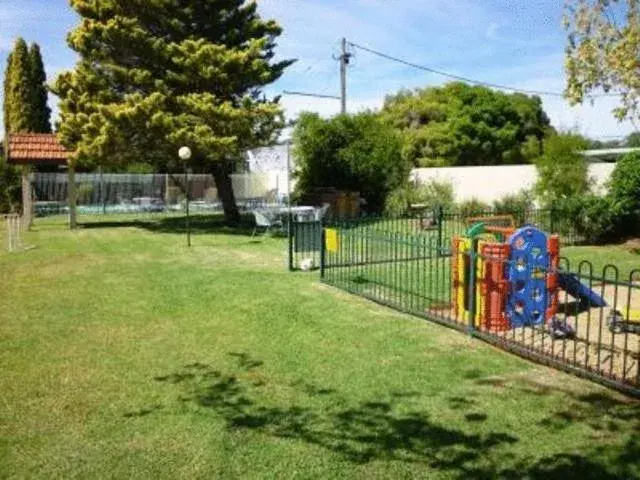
<point>264,220</point>
<point>319,213</point>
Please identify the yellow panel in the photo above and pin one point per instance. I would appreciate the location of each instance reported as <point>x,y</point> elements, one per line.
<point>331,239</point>
<point>480,272</point>
<point>634,316</point>
<point>463,247</point>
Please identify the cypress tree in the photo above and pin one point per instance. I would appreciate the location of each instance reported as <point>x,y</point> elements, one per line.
<point>25,110</point>
<point>5,103</point>
<point>154,76</point>
<point>18,95</point>
<point>9,176</point>
<point>41,122</point>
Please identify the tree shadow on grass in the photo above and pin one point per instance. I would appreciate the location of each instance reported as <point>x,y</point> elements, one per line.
<point>372,430</point>
<point>607,414</point>
<point>385,430</point>
<point>212,224</point>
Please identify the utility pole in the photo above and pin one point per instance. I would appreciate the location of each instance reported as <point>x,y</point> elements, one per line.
<point>344,61</point>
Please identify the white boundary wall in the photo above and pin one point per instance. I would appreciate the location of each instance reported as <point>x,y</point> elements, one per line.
<point>489,183</point>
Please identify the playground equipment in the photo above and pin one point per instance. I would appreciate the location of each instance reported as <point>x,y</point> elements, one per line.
<point>515,277</point>
<point>13,223</point>
<point>619,324</point>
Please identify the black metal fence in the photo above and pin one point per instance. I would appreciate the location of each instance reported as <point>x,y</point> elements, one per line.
<point>438,224</point>
<point>572,227</point>
<point>588,322</point>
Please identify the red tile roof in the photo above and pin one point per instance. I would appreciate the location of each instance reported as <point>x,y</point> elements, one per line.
<point>36,148</point>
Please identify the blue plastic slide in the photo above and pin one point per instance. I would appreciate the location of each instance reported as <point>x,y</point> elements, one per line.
<point>570,283</point>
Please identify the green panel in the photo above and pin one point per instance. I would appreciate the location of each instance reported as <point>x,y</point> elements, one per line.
<point>307,236</point>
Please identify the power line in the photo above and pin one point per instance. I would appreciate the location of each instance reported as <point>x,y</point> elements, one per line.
<point>466,79</point>
<point>309,94</point>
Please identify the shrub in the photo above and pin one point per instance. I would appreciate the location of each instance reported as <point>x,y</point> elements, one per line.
<point>433,194</point>
<point>516,205</point>
<point>589,216</point>
<point>84,192</point>
<point>10,188</point>
<point>624,195</point>
<point>562,171</point>
<point>473,208</point>
<point>436,194</point>
<point>399,199</point>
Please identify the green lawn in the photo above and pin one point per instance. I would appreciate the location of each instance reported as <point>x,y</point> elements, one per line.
<point>126,355</point>
<point>625,259</point>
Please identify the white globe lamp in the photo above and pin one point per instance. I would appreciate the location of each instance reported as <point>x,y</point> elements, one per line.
<point>184,153</point>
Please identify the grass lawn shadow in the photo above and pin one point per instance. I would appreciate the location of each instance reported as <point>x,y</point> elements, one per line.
<point>212,224</point>
<point>199,224</point>
<point>382,430</point>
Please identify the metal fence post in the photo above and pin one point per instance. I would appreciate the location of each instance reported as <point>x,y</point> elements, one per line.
<point>471,306</point>
<point>440,220</point>
<point>323,251</point>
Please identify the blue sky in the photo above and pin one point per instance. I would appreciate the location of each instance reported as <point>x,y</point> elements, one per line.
<point>514,42</point>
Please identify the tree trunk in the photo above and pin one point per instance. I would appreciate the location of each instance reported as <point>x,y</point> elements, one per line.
<point>71,194</point>
<point>27,200</point>
<point>222,177</point>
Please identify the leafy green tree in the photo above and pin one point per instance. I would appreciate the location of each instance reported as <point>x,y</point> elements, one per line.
<point>459,124</point>
<point>41,122</point>
<point>562,171</point>
<point>349,152</point>
<point>154,76</point>
<point>602,52</point>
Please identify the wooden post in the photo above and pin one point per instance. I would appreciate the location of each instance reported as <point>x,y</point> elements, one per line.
<point>27,200</point>
<point>72,197</point>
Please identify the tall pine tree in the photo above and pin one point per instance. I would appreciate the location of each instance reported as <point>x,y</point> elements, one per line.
<point>9,175</point>
<point>41,122</point>
<point>154,76</point>
<point>25,92</point>
<point>18,95</point>
<point>25,110</point>
<point>5,104</point>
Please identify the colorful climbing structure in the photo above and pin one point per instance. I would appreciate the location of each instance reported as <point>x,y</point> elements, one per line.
<point>515,280</point>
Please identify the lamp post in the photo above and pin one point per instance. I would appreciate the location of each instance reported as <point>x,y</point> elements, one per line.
<point>185,155</point>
